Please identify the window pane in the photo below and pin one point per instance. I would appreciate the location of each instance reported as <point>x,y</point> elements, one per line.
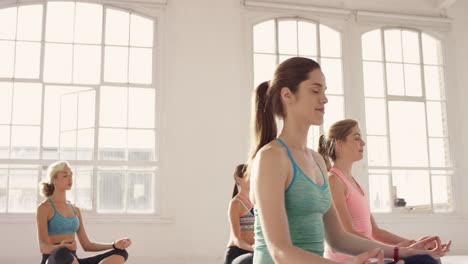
<point>140,192</point>
<point>68,112</point>
<point>53,95</point>
<point>441,193</point>
<point>436,119</point>
<point>330,42</point>
<point>30,22</point>
<point>8,23</point>
<point>88,23</point>
<point>413,80</point>
<point>283,58</point>
<point>439,152</point>
<point>22,196</point>
<point>116,64</point>
<point>264,67</point>
<point>141,144</point>
<point>28,56</point>
<point>408,140</point>
<point>83,187</point>
<point>410,46</point>
<point>4,142</point>
<point>264,37</point>
<point>434,81</point>
<point>3,190</point>
<point>376,117</point>
<point>332,68</point>
<point>395,80</point>
<point>6,98</point>
<point>112,144</point>
<point>404,183</point>
<point>87,64</point>
<point>68,145</point>
<point>307,38</point>
<point>25,142</point>
<point>27,101</point>
<point>312,137</point>
<point>287,39</point>
<point>372,45</point>
<point>86,114</point>
<point>113,111</point>
<point>373,79</point>
<point>142,103</point>
<point>432,52</point>
<point>379,193</point>
<point>377,149</point>
<point>7,53</point>
<point>110,191</point>
<point>85,144</point>
<point>393,45</point>
<point>59,26</point>
<point>117,27</point>
<point>334,111</point>
<point>141,65</point>
<point>58,63</point>
<point>141,31</point>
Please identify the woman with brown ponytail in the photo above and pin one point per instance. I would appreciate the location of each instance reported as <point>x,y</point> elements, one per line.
<point>58,221</point>
<point>343,145</point>
<point>241,219</point>
<point>293,204</point>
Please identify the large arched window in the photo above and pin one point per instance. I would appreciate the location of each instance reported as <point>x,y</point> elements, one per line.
<point>76,83</point>
<point>279,39</point>
<point>407,139</point>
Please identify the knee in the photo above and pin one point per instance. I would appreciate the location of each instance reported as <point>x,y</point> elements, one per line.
<point>122,253</point>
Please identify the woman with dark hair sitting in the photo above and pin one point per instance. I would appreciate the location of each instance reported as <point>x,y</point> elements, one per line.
<point>241,219</point>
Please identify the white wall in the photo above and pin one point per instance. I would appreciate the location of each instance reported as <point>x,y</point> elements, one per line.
<point>205,122</point>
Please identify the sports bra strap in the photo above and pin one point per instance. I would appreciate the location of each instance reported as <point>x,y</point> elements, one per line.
<point>52,203</point>
<point>287,149</point>
<point>73,207</point>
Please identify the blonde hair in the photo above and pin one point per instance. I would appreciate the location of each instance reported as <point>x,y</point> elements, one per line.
<point>338,131</point>
<point>48,187</point>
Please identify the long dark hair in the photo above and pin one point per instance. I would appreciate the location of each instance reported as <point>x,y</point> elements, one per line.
<point>238,173</point>
<point>338,131</point>
<point>267,99</point>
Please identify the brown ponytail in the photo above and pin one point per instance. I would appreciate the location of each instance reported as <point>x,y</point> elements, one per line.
<point>326,148</point>
<point>264,124</point>
<point>47,189</point>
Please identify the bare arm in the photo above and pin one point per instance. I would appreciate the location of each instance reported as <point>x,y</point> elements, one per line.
<point>269,179</point>
<point>339,191</point>
<point>385,236</point>
<point>86,244</point>
<point>235,211</point>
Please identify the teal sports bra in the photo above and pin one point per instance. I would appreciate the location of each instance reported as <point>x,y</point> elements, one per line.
<point>61,225</point>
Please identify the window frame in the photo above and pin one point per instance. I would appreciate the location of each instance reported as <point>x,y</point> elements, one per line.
<point>154,11</point>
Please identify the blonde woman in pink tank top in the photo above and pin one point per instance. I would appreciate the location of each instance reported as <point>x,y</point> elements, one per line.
<point>344,145</point>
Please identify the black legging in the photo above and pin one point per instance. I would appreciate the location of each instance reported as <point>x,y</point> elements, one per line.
<point>236,255</point>
<point>65,256</point>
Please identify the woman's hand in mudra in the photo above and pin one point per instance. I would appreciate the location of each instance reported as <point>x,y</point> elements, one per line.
<point>122,243</point>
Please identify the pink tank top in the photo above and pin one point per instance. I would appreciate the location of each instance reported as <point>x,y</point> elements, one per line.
<point>359,209</point>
